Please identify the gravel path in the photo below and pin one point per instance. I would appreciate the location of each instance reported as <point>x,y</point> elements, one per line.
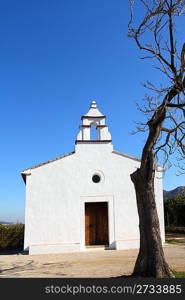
<point>91,263</point>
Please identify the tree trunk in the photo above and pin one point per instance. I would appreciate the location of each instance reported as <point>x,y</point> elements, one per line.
<point>150,261</point>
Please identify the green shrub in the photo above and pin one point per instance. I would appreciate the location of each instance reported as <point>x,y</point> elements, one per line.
<point>174,211</point>
<point>11,236</point>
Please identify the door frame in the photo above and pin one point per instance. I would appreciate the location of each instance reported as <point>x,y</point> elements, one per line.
<point>111,218</point>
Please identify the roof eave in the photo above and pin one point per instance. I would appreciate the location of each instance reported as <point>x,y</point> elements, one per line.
<point>24,174</point>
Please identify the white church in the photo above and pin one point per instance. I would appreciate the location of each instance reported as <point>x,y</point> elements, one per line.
<point>85,199</point>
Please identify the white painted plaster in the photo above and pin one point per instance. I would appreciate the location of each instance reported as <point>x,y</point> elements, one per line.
<point>56,194</point>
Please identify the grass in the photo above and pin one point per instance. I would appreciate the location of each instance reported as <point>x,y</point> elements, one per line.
<point>172,242</point>
<point>175,239</point>
<point>179,274</point>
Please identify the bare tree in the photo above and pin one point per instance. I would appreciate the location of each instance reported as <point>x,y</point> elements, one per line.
<point>165,125</point>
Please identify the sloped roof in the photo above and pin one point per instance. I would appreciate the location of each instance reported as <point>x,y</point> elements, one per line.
<point>126,155</point>
<point>42,164</point>
<point>93,111</point>
<point>24,173</point>
<point>158,167</point>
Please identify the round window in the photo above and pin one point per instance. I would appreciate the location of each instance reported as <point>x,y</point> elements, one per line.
<point>96,178</point>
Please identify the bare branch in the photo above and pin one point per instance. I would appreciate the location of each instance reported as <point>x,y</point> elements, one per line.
<point>176,105</point>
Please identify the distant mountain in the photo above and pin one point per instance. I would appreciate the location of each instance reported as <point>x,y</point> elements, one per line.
<point>6,223</point>
<point>174,193</point>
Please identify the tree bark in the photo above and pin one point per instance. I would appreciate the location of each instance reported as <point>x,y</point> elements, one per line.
<point>150,261</point>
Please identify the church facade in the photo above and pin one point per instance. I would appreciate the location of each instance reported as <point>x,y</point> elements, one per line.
<point>85,199</point>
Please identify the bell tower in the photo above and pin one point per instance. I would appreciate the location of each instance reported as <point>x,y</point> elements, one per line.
<point>93,118</point>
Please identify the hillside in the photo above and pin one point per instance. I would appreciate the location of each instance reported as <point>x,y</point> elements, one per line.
<point>6,223</point>
<point>173,193</point>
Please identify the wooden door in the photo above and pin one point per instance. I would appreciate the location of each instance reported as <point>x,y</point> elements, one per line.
<point>96,223</point>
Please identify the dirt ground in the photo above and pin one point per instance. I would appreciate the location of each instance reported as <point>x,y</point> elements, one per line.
<point>90,263</point>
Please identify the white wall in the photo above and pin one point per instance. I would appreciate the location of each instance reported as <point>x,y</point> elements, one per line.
<point>56,193</point>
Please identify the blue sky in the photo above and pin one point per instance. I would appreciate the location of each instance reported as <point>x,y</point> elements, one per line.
<point>55,57</point>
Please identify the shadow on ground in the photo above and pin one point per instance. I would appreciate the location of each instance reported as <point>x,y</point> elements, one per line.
<point>13,251</point>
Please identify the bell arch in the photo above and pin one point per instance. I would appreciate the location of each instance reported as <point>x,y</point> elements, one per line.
<point>93,131</point>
